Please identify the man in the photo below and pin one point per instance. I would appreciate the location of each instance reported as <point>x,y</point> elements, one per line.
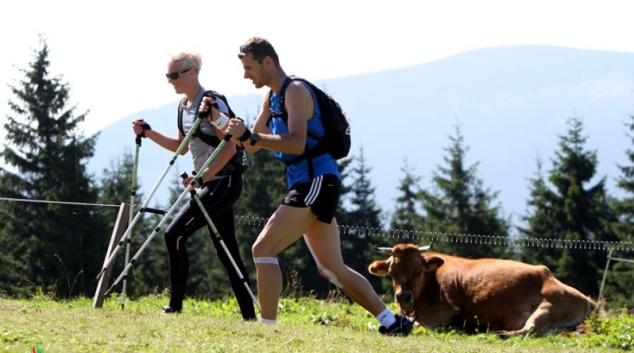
<point>314,189</point>
<point>220,186</point>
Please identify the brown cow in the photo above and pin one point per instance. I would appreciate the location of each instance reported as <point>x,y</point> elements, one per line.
<point>510,297</point>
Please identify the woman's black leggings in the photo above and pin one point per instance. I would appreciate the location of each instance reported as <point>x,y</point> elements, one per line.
<point>218,197</point>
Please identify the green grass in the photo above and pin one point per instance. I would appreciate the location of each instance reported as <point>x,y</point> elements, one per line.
<point>305,325</point>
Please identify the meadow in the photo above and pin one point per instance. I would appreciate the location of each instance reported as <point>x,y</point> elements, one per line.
<point>305,325</point>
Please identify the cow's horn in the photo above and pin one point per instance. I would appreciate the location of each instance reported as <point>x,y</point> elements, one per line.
<point>425,248</point>
<point>385,250</point>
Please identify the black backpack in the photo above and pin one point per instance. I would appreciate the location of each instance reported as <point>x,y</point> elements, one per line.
<point>336,139</point>
<point>238,163</point>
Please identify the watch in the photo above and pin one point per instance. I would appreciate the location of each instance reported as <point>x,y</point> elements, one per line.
<point>255,137</point>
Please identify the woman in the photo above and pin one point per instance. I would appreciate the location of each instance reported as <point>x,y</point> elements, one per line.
<point>220,185</point>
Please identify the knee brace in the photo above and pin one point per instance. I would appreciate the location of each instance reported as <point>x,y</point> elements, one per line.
<point>266,260</point>
<point>326,273</point>
<point>329,275</point>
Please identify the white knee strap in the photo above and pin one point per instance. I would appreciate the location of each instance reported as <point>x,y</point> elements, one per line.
<point>326,272</point>
<point>266,260</point>
<point>331,276</point>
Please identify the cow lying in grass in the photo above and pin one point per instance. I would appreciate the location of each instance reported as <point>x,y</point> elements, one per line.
<point>509,297</point>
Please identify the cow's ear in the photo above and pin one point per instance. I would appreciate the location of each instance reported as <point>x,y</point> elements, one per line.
<point>433,262</point>
<point>379,268</point>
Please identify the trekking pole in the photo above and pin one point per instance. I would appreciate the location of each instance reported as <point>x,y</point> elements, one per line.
<point>144,207</point>
<point>219,237</point>
<point>167,214</point>
<point>132,200</point>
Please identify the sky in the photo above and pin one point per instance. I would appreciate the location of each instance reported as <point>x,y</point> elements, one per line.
<point>113,54</point>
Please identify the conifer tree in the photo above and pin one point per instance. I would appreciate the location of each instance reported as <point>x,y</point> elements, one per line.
<point>568,213</point>
<point>365,228</point>
<point>59,245</point>
<point>461,211</point>
<point>620,279</point>
<point>406,220</point>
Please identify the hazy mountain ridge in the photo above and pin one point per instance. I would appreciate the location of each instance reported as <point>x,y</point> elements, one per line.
<point>510,103</point>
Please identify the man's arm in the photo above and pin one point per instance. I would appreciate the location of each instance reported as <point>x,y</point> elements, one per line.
<point>299,105</point>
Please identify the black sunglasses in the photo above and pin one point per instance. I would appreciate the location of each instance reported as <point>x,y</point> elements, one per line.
<point>245,48</point>
<point>176,74</point>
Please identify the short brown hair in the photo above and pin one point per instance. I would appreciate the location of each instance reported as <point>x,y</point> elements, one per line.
<point>260,48</point>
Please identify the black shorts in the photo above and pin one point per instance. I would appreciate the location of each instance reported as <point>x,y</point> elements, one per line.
<point>321,195</point>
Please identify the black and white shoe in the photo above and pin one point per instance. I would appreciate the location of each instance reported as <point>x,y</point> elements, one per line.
<point>169,310</point>
<point>402,327</point>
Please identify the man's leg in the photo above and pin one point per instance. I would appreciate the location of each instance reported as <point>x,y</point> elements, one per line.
<point>284,227</point>
<point>324,243</point>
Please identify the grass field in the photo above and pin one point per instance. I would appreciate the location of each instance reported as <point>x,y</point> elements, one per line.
<point>305,325</point>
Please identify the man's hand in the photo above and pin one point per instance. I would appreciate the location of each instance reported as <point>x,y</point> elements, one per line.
<point>236,128</point>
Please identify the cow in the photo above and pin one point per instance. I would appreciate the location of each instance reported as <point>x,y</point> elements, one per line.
<point>509,297</point>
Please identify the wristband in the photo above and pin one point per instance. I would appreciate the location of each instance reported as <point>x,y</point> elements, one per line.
<point>145,126</point>
<point>245,136</point>
<point>221,122</point>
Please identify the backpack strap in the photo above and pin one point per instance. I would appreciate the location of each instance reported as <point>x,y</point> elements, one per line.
<point>282,93</point>
<point>209,93</point>
<point>319,148</point>
<point>234,166</point>
<point>180,117</point>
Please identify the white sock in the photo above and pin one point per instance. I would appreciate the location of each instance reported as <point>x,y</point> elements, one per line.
<point>267,321</point>
<point>386,317</point>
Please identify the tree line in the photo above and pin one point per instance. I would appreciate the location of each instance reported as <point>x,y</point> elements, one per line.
<point>56,249</point>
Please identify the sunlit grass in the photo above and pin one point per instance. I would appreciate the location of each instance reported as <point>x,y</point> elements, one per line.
<point>305,325</point>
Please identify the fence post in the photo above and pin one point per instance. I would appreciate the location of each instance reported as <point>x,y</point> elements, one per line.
<point>117,233</point>
<point>605,274</point>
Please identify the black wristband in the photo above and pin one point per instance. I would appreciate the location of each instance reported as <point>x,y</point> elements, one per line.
<point>145,126</point>
<point>245,136</point>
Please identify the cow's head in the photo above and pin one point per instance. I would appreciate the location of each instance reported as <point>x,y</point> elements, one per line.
<point>410,272</point>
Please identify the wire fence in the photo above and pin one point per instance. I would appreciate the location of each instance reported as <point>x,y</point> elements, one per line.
<point>416,235</point>
<point>427,236</point>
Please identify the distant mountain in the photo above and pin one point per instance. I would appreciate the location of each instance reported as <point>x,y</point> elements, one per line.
<point>510,103</point>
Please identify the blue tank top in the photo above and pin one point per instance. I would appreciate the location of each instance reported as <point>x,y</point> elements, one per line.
<point>298,172</point>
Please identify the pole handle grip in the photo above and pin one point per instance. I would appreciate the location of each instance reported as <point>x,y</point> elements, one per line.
<point>184,176</point>
<point>138,137</point>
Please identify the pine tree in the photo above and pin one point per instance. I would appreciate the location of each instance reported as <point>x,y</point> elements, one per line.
<point>58,244</point>
<point>576,214</point>
<point>365,230</point>
<point>459,211</point>
<point>406,220</point>
<point>620,279</point>
<point>12,242</point>
<point>541,221</point>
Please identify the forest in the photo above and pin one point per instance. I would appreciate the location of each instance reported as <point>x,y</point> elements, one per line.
<point>56,219</point>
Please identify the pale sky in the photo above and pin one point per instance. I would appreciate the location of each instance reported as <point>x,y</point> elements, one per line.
<point>113,54</point>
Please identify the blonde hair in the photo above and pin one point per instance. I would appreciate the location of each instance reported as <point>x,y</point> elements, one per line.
<point>188,60</point>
